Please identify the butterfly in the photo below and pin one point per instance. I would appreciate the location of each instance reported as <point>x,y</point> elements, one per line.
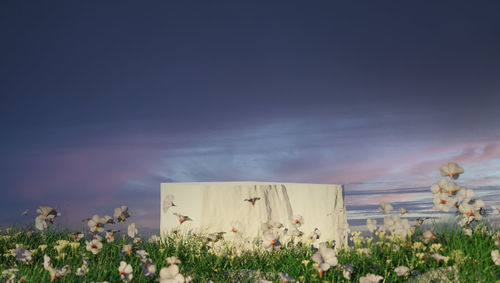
<point>403,211</point>
<point>182,218</point>
<point>252,200</point>
<point>421,220</point>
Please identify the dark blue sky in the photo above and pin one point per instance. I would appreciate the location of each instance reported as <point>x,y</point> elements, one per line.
<point>100,102</point>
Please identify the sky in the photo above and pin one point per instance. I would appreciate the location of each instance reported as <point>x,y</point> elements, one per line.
<point>102,101</point>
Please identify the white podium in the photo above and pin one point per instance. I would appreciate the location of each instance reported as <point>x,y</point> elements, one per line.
<point>213,206</point>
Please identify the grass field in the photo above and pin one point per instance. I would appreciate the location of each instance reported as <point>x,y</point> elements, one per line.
<point>470,255</point>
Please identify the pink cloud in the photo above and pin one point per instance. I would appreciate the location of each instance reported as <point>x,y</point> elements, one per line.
<point>390,198</point>
<point>415,169</point>
<point>99,171</point>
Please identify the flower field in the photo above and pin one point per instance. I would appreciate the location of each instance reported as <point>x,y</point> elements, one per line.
<point>399,250</point>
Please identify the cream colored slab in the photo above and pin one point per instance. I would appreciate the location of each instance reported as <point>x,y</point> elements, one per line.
<point>214,205</point>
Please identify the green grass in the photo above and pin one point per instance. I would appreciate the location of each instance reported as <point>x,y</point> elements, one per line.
<point>469,254</point>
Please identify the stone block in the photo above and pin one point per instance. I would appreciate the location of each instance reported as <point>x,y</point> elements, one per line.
<point>214,206</point>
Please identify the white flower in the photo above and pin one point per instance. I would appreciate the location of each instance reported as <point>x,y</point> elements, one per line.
<point>171,275</point>
<point>76,236</point>
<point>11,273</point>
<point>347,271</point>
<point>121,213</point>
<point>271,225</point>
<point>148,267</point>
<point>216,236</point>
<point>172,260</point>
<point>442,202</point>
<point>168,202</point>
<point>466,220</point>
<point>297,220</point>
<point>465,195</point>
<point>371,224</point>
<point>137,240</point>
<point>435,189</point>
<point>467,232</point>
<point>478,204</point>
<point>270,240</point>
<point>108,219</point>
<point>495,256</point>
<point>60,272</point>
<point>93,246</point>
<point>420,220</point>
<point>452,170</point>
<point>154,239</point>
<point>428,234</point>
<point>141,254</point>
<point>125,271</point>
<point>402,270</point>
<point>445,186</point>
<point>314,235</point>
<point>40,223</point>
<point>127,249</point>
<point>370,278</point>
<point>47,262</point>
<point>81,271</point>
<point>237,227</point>
<point>131,231</point>
<point>48,213</point>
<point>439,257</point>
<point>386,207</point>
<point>110,235</point>
<point>23,255</point>
<point>96,223</point>
<point>401,227</point>
<point>324,258</point>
